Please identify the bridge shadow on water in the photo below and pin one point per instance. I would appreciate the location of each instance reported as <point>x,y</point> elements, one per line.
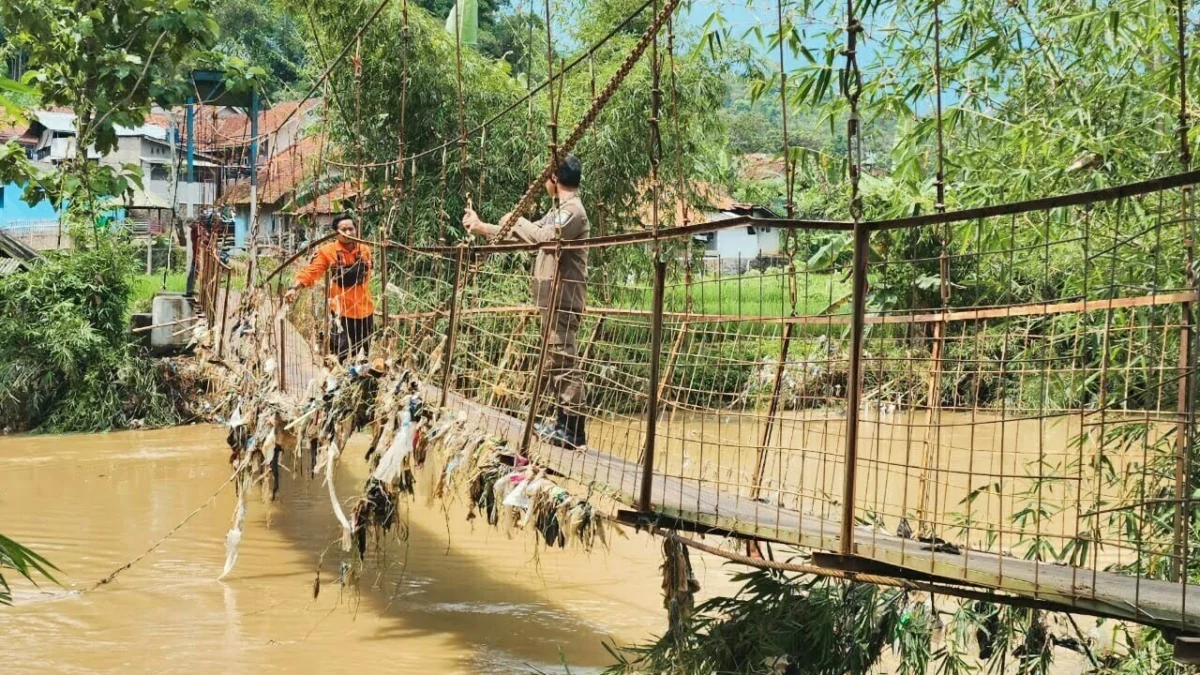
<point>504,603</point>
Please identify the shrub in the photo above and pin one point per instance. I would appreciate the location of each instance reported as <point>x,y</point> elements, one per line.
<point>67,360</point>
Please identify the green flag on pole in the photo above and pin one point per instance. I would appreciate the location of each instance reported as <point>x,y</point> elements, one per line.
<point>468,24</point>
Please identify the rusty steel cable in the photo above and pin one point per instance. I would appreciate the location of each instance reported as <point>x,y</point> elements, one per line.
<point>532,91</point>
<point>588,118</point>
<point>577,133</point>
<point>362,29</point>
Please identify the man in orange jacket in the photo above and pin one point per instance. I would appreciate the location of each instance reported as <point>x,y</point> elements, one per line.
<point>349,295</point>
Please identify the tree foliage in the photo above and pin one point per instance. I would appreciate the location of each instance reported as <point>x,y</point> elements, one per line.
<point>65,351</point>
<point>66,355</point>
<point>781,623</point>
<point>25,562</point>
<point>500,163</point>
<point>108,63</point>
<point>262,34</point>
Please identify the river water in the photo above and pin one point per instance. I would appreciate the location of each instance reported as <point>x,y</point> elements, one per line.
<point>452,599</point>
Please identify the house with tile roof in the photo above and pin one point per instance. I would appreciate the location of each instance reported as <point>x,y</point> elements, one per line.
<point>49,137</point>
<point>286,181</point>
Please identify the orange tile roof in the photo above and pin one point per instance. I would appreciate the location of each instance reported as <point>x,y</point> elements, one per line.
<point>235,130</point>
<point>10,129</point>
<point>282,173</point>
<point>159,120</point>
<point>219,130</point>
<point>704,197</point>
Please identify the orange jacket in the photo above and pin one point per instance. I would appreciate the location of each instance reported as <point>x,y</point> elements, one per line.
<point>352,303</point>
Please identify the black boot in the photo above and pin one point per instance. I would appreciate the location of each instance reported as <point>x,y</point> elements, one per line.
<point>546,429</point>
<point>570,434</point>
<point>576,430</point>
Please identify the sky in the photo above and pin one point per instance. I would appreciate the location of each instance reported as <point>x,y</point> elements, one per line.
<point>740,19</point>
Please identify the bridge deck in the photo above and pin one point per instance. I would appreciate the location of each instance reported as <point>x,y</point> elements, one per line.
<point>1110,594</point>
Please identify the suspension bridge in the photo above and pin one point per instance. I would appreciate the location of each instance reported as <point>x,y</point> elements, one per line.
<point>1004,436</point>
<point>919,445</point>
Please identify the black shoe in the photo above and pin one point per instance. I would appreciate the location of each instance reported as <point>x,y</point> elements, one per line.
<point>548,428</point>
<point>570,434</point>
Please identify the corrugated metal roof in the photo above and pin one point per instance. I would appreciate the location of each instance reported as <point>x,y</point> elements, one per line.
<point>64,122</point>
<point>56,121</point>
<point>13,249</point>
<point>148,130</point>
<point>8,266</point>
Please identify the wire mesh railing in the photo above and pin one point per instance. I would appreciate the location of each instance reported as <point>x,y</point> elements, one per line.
<point>1021,416</point>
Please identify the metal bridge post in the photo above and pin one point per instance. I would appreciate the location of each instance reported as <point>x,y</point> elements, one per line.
<point>282,328</point>
<point>1184,405</point>
<point>328,320</point>
<point>383,284</point>
<point>656,321</point>
<point>452,329</point>
<point>862,239</point>
<point>1185,430</point>
<point>224,312</point>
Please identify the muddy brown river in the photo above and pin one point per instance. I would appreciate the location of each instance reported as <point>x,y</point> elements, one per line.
<point>452,599</point>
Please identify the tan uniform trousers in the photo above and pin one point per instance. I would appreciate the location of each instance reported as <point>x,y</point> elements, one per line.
<point>564,379</point>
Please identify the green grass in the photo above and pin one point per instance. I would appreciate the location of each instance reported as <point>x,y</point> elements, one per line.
<point>145,286</point>
<point>749,294</point>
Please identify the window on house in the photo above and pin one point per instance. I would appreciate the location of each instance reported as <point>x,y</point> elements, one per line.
<point>158,172</point>
<point>1,196</point>
<point>750,230</point>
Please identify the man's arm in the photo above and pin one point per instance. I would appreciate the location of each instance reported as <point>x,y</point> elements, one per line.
<point>537,232</point>
<point>313,270</point>
<point>522,230</point>
<point>309,275</point>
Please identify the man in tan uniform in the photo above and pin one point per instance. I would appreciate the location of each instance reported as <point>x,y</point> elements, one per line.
<point>566,220</point>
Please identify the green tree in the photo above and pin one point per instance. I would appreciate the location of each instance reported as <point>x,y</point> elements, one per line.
<point>519,39</point>
<point>108,62</point>
<point>262,34</point>
<point>66,354</point>
<point>615,153</point>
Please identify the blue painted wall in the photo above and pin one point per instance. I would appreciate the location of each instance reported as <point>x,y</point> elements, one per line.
<point>241,226</point>
<point>14,211</point>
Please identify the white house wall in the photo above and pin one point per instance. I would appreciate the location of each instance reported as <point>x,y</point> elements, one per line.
<point>768,240</point>
<point>736,242</point>
<point>189,198</point>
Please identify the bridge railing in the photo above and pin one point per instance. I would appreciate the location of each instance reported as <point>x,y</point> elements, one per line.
<point>1002,396</point>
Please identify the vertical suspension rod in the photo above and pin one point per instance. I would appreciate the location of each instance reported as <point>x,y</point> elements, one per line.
<point>933,393</point>
<point>760,464</point>
<point>1185,432</point>
<point>462,112</point>
<point>656,320</point>
<point>852,86</point>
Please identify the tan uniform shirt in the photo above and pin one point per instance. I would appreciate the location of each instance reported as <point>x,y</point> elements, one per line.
<point>571,220</point>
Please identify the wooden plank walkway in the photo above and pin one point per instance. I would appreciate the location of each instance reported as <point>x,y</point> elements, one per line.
<point>1160,603</point>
